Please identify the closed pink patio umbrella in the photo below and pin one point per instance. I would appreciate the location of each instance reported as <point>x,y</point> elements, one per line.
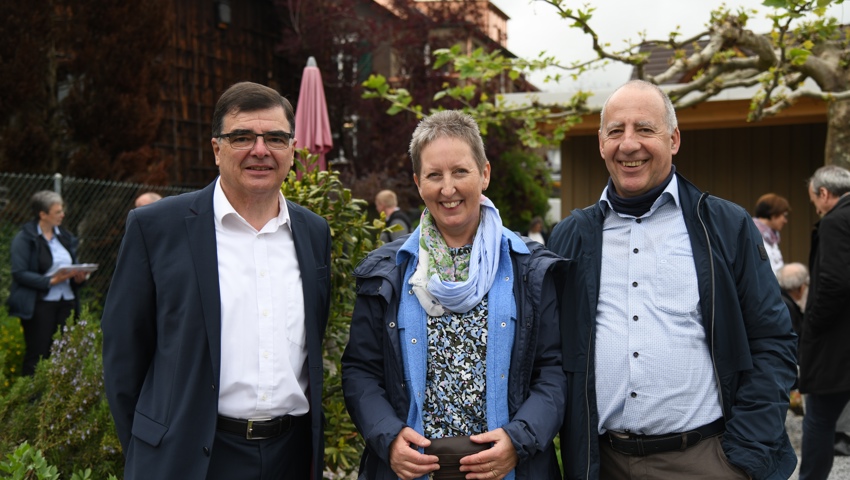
<point>312,127</point>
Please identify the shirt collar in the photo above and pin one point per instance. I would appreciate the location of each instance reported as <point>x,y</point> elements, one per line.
<point>222,208</point>
<point>41,232</point>
<point>671,192</point>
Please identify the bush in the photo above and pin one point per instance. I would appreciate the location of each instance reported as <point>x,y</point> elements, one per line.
<point>27,463</point>
<point>62,409</point>
<point>7,233</point>
<point>11,350</point>
<point>519,187</point>
<point>11,333</point>
<point>354,236</point>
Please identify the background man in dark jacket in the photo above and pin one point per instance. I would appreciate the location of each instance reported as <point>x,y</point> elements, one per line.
<point>678,349</point>
<point>386,202</point>
<point>824,352</point>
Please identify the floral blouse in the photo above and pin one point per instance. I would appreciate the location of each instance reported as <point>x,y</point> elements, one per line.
<point>455,400</point>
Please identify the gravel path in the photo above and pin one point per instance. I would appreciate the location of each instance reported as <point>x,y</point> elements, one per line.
<point>794,426</point>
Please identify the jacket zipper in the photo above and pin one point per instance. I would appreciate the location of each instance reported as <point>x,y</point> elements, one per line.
<point>587,390</point>
<point>711,273</point>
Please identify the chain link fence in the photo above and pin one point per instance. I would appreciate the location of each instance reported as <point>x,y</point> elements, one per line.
<point>95,211</point>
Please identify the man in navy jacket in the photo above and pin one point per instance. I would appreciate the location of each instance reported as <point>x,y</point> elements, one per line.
<point>213,325</point>
<point>678,349</point>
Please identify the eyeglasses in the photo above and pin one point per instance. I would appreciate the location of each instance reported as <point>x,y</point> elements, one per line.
<point>246,140</point>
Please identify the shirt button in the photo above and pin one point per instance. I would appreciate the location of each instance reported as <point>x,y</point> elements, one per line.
<point>634,284</point>
<point>504,324</point>
<point>262,273</point>
<point>392,324</point>
<point>637,220</point>
<point>410,292</point>
<point>635,318</point>
<point>634,394</point>
<point>635,250</point>
<point>265,354</point>
<point>636,354</point>
<point>265,313</point>
<point>413,341</point>
<point>507,279</point>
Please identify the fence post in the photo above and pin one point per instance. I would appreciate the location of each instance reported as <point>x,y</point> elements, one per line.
<point>57,183</point>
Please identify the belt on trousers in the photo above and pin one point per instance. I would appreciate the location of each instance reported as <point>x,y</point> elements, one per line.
<point>642,445</point>
<point>259,429</point>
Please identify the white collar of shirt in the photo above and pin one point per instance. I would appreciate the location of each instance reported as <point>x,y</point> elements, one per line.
<point>222,209</point>
<point>672,191</point>
<point>41,232</point>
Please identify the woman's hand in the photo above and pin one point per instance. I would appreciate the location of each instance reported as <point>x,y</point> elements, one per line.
<point>60,277</point>
<point>495,462</point>
<point>80,277</point>
<point>406,461</point>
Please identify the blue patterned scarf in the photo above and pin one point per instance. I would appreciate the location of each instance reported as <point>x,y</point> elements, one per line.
<point>439,286</point>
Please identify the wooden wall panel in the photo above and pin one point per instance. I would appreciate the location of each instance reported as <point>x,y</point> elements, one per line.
<point>206,59</point>
<point>738,164</point>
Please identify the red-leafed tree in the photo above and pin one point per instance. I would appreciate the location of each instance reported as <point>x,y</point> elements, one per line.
<point>353,39</point>
<point>79,90</point>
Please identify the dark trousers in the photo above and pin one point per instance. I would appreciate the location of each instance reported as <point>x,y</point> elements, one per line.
<point>822,412</point>
<point>39,330</point>
<point>285,457</point>
<point>705,460</point>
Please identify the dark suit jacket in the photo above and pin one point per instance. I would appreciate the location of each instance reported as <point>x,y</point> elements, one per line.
<point>162,334</point>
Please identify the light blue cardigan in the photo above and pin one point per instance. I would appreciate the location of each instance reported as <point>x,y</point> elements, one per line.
<point>413,321</point>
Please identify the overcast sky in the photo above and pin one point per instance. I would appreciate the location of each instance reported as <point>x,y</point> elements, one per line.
<point>534,27</point>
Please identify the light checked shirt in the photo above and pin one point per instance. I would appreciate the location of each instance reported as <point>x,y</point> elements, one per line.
<point>654,373</point>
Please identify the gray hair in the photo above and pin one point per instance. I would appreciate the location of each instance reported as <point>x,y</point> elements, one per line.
<point>834,179</point>
<point>669,110</point>
<point>451,124</point>
<point>42,201</point>
<point>792,276</point>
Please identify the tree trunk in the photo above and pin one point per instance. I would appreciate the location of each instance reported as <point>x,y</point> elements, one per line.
<point>837,150</point>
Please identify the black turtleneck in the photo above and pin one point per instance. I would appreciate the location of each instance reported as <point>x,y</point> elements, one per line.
<point>640,204</point>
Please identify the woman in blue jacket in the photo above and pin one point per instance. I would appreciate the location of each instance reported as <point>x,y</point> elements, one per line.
<point>43,302</point>
<point>454,331</point>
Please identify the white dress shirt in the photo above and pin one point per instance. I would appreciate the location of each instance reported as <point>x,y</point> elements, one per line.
<point>61,258</point>
<point>654,373</point>
<point>263,339</point>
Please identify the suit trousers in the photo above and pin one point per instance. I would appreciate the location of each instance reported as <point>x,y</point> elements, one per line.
<point>285,457</point>
<point>703,461</point>
<point>39,330</point>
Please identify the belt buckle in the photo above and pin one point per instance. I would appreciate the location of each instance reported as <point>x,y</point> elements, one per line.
<point>249,433</point>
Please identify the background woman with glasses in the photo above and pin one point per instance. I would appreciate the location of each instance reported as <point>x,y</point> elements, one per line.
<point>43,303</point>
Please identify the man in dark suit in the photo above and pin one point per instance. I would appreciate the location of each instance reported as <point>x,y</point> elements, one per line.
<point>213,325</point>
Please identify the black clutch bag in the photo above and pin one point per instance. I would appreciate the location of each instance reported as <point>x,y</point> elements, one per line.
<point>450,450</point>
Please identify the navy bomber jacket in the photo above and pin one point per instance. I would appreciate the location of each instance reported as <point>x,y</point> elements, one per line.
<point>748,326</point>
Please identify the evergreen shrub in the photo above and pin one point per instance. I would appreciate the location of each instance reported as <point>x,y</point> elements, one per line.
<point>61,410</point>
<point>354,236</point>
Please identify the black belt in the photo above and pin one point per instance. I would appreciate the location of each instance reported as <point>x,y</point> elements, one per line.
<point>642,445</point>
<point>259,429</point>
